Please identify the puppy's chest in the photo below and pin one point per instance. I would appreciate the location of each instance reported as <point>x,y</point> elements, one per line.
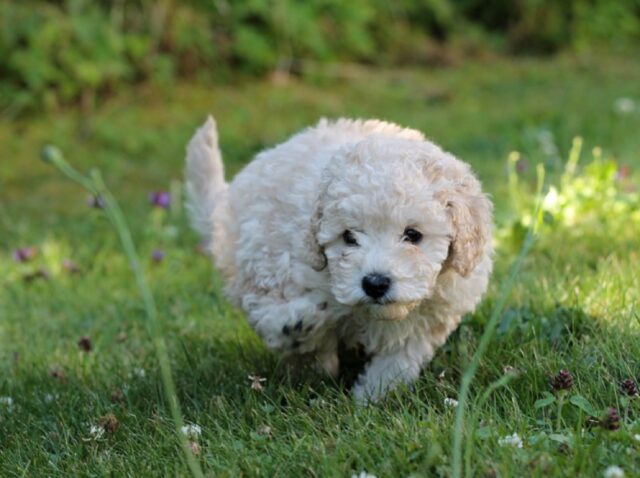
<point>377,336</point>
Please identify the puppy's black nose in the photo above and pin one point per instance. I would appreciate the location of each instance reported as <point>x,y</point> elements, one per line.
<point>376,285</point>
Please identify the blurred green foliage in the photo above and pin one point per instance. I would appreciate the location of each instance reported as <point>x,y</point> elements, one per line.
<point>61,51</point>
<point>597,204</point>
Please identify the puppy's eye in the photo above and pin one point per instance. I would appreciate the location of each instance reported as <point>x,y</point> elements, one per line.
<point>348,238</point>
<point>412,236</point>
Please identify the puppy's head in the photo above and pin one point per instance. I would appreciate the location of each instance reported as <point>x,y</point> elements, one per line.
<point>392,215</point>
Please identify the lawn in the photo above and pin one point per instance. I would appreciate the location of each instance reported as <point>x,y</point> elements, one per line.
<point>79,381</point>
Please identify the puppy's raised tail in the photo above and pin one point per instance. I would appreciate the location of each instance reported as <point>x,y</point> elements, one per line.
<point>205,185</point>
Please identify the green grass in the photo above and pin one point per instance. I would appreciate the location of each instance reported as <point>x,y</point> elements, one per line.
<point>574,305</point>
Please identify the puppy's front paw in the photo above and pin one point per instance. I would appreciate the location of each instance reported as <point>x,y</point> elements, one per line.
<point>384,373</point>
<point>295,327</point>
<point>363,395</point>
<point>296,335</point>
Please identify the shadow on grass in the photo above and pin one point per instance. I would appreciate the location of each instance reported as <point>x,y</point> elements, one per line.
<point>535,343</point>
<point>212,370</point>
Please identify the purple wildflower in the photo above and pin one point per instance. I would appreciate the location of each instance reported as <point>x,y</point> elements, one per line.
<point>629,388</point>
<point>160,199</point>
<point>562,381</point>
<point>157,255</point>
<point>611,419</point>
<point>24,254</point>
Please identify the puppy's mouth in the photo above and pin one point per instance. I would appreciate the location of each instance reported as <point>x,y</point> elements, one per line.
<point>383,301</point>
<point>389,309</point>
<point>377,303</point>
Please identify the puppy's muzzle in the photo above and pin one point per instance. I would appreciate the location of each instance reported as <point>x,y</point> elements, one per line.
<point>376,285</point>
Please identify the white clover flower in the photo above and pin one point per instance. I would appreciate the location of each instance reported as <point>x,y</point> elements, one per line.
<point>191,431</point>
<point>624,105</point>
<point>96,432</point>
<point>510,370</point>
<point>511,440</point>
<point>547,143</point>
<point>636,437</point>
<point>50,397</point>
<point>7,402</point>
<point>139,372</point>
<point>450,402</point>
<point>364,474</point>
<point>317,402</point>
<point>614,471</point>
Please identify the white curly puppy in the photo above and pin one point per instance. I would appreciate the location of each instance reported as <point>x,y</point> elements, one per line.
<point>360,232</point>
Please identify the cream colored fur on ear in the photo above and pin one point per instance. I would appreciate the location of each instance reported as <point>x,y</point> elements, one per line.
<point>316,256</point>
<point>470,212</point>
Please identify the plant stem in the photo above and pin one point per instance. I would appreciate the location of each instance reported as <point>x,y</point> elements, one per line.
<point>96,186</point>
<point>505,291</point>
<point>560,405</point>
<point>501,382</point>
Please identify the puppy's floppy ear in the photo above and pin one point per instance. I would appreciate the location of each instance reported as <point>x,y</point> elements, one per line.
<point>470,213</point>
<point>315,252</point>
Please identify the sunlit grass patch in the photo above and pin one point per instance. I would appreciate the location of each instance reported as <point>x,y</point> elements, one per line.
<point>600,200</point>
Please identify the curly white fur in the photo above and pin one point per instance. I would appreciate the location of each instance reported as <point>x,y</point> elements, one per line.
<point>277,235</point>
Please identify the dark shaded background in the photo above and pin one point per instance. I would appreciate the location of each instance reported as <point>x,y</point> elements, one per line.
<point>55,52</point>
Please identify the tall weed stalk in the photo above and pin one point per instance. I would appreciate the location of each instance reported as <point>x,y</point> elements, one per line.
<point>95,185</point>
<point>487,336</point>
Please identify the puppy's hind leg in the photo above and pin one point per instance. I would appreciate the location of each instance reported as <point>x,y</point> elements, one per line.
<point>324,360</point>
<point>327,357</point>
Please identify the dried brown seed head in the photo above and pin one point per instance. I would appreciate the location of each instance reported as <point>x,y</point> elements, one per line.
<point>85,344</point>
<point>109,423</point>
